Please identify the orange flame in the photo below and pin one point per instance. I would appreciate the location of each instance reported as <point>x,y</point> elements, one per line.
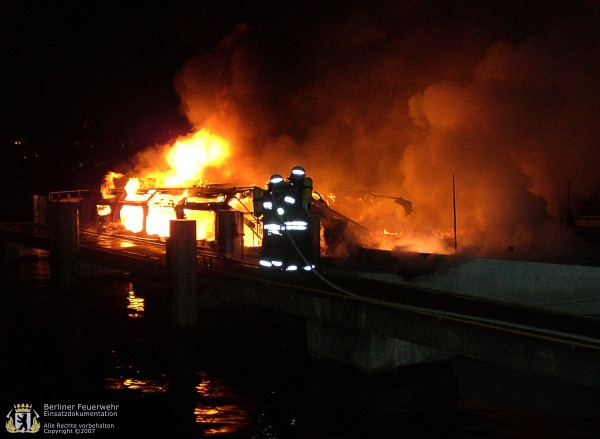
<point>189,157</point>
<point>187,161</point>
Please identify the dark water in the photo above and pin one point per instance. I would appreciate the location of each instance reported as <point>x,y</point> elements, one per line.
<point>245,374</point>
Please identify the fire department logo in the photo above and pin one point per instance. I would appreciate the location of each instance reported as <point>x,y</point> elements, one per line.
<point>22,419</point>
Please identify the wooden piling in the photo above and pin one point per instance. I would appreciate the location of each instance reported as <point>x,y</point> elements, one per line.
<point>181,265</point>
<point>40,208</point>
<point>64,263</point>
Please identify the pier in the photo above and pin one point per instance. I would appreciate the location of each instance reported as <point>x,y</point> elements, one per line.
<point>367,320</point>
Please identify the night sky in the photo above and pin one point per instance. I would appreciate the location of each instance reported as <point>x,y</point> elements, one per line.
<point>393,96</point>
<point>104,71</point>
<point>87,84</point>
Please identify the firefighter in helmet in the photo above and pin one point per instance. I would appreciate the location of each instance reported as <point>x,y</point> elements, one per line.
<point>298,198</point>
<point>272,212</point>
<point>288,241</point>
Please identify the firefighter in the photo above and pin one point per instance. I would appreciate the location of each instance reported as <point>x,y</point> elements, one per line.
<point>271,255</point>
<point>288,236</point>
<point>257,201</point>
<point>301,186</point>
<point>299,250</point>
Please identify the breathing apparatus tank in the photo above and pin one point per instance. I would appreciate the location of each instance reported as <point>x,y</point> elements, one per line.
<point>257,201</point>
<point>307,190</point>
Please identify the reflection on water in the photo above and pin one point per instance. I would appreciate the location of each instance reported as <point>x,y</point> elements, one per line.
<point>143,385</point>
<point>33,271</point>
<point>136,304</point>
<point>220,409</point>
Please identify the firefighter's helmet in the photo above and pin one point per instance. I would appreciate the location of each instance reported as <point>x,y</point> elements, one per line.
<point>298,172</point>
<point>276,179</point>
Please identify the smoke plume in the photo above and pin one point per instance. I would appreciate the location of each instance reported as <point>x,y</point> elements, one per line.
<point>490,112</point>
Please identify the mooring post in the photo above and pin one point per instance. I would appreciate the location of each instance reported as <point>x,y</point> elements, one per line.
<point>182,271</point>
<point>40,208</point>
<point>64,263</point>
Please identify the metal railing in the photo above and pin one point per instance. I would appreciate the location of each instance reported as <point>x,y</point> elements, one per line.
<point>68,196</point>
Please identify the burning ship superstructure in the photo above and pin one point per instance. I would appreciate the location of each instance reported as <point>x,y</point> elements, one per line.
<point>143,209</point>
<point>226,222</point>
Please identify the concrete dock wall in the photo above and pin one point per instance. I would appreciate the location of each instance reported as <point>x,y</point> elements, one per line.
<point>565,288</point>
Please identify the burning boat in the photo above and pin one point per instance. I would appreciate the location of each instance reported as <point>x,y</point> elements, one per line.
<point>144,209</point>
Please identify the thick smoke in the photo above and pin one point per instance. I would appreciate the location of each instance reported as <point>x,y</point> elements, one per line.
<point>493,105</point>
